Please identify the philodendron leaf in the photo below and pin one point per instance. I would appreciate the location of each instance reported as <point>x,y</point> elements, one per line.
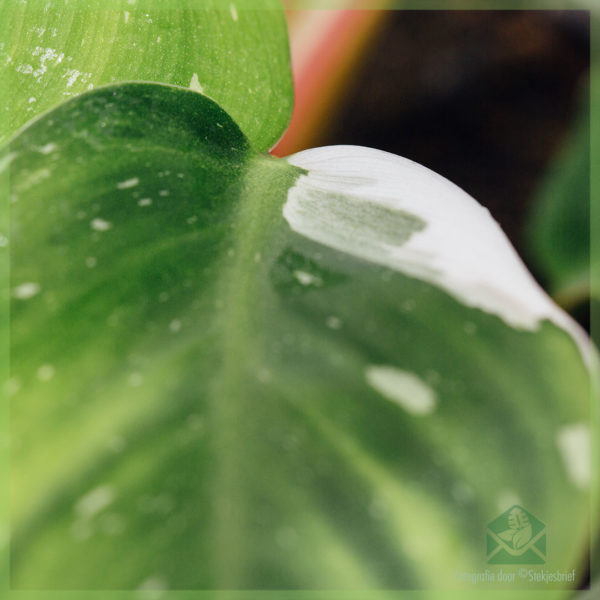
<point>236,53</point>
<point>560,221</point>
<point>232,371</point>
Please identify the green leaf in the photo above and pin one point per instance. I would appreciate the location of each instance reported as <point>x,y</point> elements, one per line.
<point>235,52</point>
<point>236,372</point>
<point>560,221</point>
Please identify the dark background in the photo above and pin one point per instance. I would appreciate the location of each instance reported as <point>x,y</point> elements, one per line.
<point>485,98</point>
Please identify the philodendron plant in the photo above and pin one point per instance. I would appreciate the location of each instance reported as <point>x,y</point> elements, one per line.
<point>230,371</point>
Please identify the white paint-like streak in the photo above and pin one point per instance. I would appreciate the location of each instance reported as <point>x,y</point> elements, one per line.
<point>73,75</point>
<point>574,444</point>
<point>195,84</point>
<point>45,373</point>
<point>233,11</point>
<point>26,290</point>
<point>128,183</point>
<point>154,583</point>
<point>305,278</point>
<point>95,501</point>
<point>402,387</point>
<point>34,178</point>
<point>48,148</point>
<point>6,160</point>
<point>460,248</point>
<point>100,225</point>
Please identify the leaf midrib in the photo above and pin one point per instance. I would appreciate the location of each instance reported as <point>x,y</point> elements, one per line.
<point>240,288</point>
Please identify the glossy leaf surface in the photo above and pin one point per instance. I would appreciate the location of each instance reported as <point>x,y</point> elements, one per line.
<point>234,52</point>
<point>236,372</point>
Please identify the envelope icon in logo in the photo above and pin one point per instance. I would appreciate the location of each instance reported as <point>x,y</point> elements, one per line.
<point>516,537</point>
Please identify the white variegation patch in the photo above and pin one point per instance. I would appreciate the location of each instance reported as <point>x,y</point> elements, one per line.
<point>404,388</point>
<point>574,445</point>
<point>441,235</point>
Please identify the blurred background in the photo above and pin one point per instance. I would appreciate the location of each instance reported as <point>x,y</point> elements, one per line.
<point>496,101</point>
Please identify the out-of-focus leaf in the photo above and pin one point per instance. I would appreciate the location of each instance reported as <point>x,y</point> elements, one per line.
<point>235,52</point>
<point>559,225</point>
<point>231,371</point>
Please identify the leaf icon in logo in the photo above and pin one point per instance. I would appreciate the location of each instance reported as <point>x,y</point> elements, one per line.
<point>520,531</point>
<point>522,537</point>
<point>507,535</point>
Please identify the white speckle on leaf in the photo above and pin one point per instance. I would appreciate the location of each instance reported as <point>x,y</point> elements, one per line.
<point>6,160</point>
<point>154,583</point>
<point>233,11</point>
<point>100,225</point>
<point>91,262</point>
<point>34,178</point>
<point>286,538</point>
<point>264,375</point>
<point>135,379</point>
<point>195,84</point>
<point>144,201</point>
<point>26,290</point>
<point>163,193</point>
<point>350,198</point>
<point>175,326</point>
<point>31,100</point>
<point>95,501</point>
<point>333,322</point>
<point>402,387</point>
<point>24,68</point>
<point>48,148</point>
<point>12,386</point>
<point>73,75</point>
<point>3,241</point>
<point>116,444</point>
<point>305,278</point>
<point>45,54</point>
<point>574,444</point>
<point>470,328</point>
<point>191,220</point>
<point>126,15</point>
<point>158,40</point>
<point>409,305</point>
<point>128,183</point>
<point>45,373</point>
<point>378,508</point>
